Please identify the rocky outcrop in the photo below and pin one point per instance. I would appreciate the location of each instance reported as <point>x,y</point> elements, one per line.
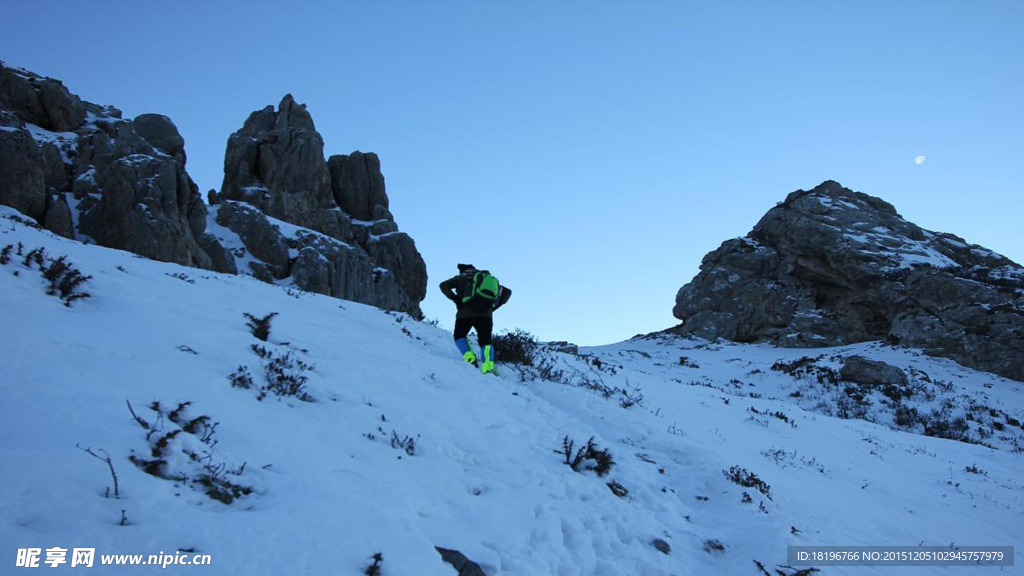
<point>831,266</point>
<point>275,174</point>
<point>284,211</point>
<point>65,161</point>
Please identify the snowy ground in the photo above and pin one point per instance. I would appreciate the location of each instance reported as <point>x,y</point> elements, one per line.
<point>329,487</point>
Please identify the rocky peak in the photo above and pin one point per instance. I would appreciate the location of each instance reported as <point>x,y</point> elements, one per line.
<point>293,115</point>
<point>275,165</point>
<point>830,266</point>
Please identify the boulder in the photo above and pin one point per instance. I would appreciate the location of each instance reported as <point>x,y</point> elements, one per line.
<point>458,560</point>
<point>830,266</point>
<point>868,372</point>
<point>162,134</point>
<point>223,260</point>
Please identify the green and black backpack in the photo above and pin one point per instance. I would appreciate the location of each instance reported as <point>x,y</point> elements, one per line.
<point>481,294</point>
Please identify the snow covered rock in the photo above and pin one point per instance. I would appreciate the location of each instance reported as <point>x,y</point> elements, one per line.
<point>831,266</point>
<point>275,163</point>
<point>85,173</point>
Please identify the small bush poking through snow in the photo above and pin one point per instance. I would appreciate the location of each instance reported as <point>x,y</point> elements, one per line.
<point>778,414</point>
<point>64,281</point>
<point>61,276</point>
<point>374,569</point>
<point>285,374</point>
<point>202,471</point>
<point>807,368</point>
<point>906,417</point>
<point>407,443</point>
<point>940,424</point>
<point>628,399</point>
<point>687,363</point>
<point>589,457</point>
<point>260,327</point>
<point>241,378</point>
<point>106,459</point>
<point>516,347</point>
<point>713,546</point>
<point>748,479</point>
<point>221,489</point>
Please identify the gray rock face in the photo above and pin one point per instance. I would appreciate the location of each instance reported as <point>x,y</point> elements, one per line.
<point>352,248</point>
<point>830,266</point>
<point>357,184</point>
<point>872,372</point>
<point>44,102</point>
<point>58,216</point>
<point>128,181</point>
<point>22,180</point>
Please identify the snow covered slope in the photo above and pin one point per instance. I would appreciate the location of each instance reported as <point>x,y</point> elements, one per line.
<point>400,447</point>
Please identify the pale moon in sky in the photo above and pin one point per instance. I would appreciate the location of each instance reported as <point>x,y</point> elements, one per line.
<point>919,160</point>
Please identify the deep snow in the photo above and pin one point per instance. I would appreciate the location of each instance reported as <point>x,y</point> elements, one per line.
<point>329,489</point>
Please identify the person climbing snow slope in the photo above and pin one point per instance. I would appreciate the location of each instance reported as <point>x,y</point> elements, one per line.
<point>476,294</point>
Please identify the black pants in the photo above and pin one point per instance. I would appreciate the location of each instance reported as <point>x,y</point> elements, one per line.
<point>483,326</point>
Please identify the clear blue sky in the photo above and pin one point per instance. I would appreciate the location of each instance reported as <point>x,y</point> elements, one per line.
<point>589,153</point>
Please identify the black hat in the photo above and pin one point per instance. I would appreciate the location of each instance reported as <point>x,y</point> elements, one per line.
<point>463,268</point>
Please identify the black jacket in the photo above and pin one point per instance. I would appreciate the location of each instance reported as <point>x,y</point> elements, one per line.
<point>454,287</point>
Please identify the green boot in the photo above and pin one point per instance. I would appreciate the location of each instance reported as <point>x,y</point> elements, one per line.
<point>469,357</point>
<point>488,366</point>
